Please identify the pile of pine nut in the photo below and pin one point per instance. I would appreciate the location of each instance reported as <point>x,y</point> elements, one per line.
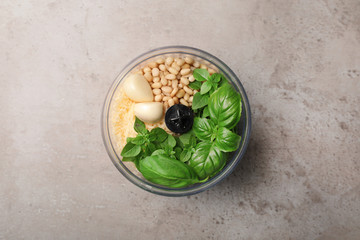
<point>169,79</point>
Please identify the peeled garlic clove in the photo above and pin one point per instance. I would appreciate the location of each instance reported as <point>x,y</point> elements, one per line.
<point>138,89</point>
<point>149,112</point>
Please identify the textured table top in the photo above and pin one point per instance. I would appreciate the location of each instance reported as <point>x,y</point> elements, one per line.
<point>298,60</point>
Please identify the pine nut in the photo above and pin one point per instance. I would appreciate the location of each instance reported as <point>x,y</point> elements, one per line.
<point>170,76</point>
<point>169,83</point>
<point>148,76</point>
<point>162,67</point>
<point>173,70</point>
<point>152,65</point>
<point>166,89</point>
<point>158,98</point>
<point>176,100</point>
<point>185,66</point>
<point>169,60</point>
<point>195,91</point>
<point>155,72</point>
<point>186,96</point>
<point>191,99</point>
<point>166,98</point>
<point>174,83</point>
<point>184,71</point>
<point>188,90</point>
<point>173,92</point>
<point>189,60</point>
<point>177,67</point>
<point>156,85</point>
<point>164,81</point>
<point>182,101</point>
<point>196,64</point>
<point>180,61</point>
<point>166,105</point>
<point>146,69</point>
<point>203,66</point>
<point>156,91</point>
<point>156,79</point>
<point>180,85</point>
<point>191,78</point>
<point>171,102</point>
<point>180,93</point>
<point>160,60</point>
<point>178,76</point>
<point>184,81</point>
<point>211,71</point>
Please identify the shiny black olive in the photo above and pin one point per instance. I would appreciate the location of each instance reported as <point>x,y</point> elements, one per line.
<point>179,118</point>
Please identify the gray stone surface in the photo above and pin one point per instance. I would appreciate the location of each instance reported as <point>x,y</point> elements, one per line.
<point>298,60</point>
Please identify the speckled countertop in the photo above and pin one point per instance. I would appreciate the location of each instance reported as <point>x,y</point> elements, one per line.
<point>298,60</point>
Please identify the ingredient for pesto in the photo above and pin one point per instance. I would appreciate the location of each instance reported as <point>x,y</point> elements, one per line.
<point>198,154</point>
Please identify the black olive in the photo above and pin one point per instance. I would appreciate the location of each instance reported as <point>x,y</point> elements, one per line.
<point>179,118</point>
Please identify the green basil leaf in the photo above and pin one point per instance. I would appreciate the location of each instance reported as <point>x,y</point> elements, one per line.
<point>171,141</point>
<point>216,77</point>
<point>207,160</point>
<point>201,74</point>
<point>200,101</point>
<point>129,159</point>
<point>178,151</point>
<point>185,138</point>
<point>158,135</point>
<point>185,155</point>
<point>203,128</point>
<point>158,152</point>
<point>205,112</point>
<point>130,150</point>
<point>138,140</point>
<point>139,126</point>
<point>205,87</point>
<point>166,171</point>
<point>226,140</point>
<point>225,106</point>
<point>195,85</point>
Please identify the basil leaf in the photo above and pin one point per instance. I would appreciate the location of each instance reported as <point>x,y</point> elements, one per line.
<point>185,138</point>
<point>203,128</point>
<point>178,151</point>
<point>201,74</point>
<point>166,171</point>
<point>130,150</point>
<point>139,126</point>
<point>225,106</point>
<point>138,140</point>
<point>195,85</point>
<point>171,141</point>
<point>205,112</point>
<point>158,152</point>
<point>158,135</point>
<point>216,77</point>
<point>199,101</point>
<point>205,87</point>
<point>128,159</point>
<point>226,140</point>
<point>207,160</point>
<point>185,155</point>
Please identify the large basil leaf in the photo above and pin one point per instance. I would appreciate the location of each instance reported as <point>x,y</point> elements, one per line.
<point>203,128</point>
<point>200,101</point>
<point>207,160</point>
<point>130,150</point>
<point>167,171</point>
<point>225,106</point>
<point>226,140</point>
